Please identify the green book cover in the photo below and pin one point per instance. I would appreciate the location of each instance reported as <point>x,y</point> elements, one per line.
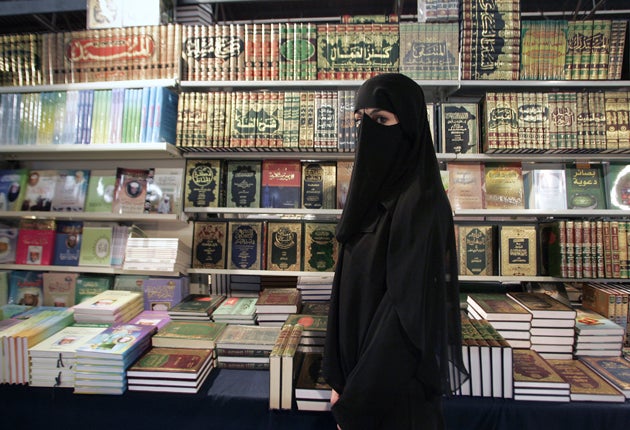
<point>96,245</point>
<point>89,286</point>
<point>100,193</point>
<point>243,183</point>
<point>618,186</point>
<point>200,330</point>
<point>585,186</point>
<point>236,307</point>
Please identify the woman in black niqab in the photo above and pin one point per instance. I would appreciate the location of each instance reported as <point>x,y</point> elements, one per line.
<point>393,345</point>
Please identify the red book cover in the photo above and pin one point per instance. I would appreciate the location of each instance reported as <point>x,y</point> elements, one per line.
<point>36,242</point>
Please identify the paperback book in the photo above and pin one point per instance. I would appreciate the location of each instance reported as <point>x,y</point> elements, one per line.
<point>70,191</point>
<point>12,189</point>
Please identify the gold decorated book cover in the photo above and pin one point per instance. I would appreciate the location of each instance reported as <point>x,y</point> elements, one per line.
<point>284,245</point>
<point>203,182</point>
<point>476,247</point>
<point>320,246</point>
<point>504,186</point>
<point>518,250</point>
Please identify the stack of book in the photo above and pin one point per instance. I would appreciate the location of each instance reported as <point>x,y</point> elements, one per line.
<point>315,288</point>
<point>535,379</point>
<point>585,383</point>
<point>244,285</point>
<point>162,293</point>
<point>39,323</point>
<point>175,370</point>
<point>615,370</point>
<point>553,324</point>
<point>282,362</point>
<point>196,307</point>
<point>313,332</point>
<point>158,319</point>
<point>110,306</point>
<point>276,304</point>
<point>510,319</point>
<point>156,254</point>
<point>53,360</point>
<point>103,360</point>
<point>488,358</point>
<point>245,346</point>
<point>596,335</point>
<point>188,334</point>
<point>236,310</point>
<point>312,392</point>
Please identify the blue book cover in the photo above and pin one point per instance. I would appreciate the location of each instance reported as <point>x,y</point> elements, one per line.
<point>117,342</point>
<point>12,186</point>
<point>161,294</point>
<point>164,116</point>
<point>281,184</point>
<point>67,243</point>
<point>144,113</point>
<point>26,287</point>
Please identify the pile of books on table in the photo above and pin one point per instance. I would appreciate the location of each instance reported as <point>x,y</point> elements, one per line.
<point>110,306</point>
<point>245,346</point>
<point>236,310</point>
<point>196,307</point>
<point>102,362</point>
<point>156,254</point>
<point>596,335</point>
<point>274,305</point>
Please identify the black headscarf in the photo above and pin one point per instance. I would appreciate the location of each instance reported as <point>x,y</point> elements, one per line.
<point>402,174</point>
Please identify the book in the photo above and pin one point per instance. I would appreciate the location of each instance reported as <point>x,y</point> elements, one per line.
<point>237,336</point>
<point>158,319</point>
<point>465,185</point>
<point>59,289</point>
<point>35,242</point>
<point>545,187</point>
<point>278,300</point>
<point>170,363</point>
<point>236,309</point>
<point>284,246</point>
<point>289,366</point>
<point>497,307</point>
<point>585,186</point>
<point>586,384</point>
<point>459,127</point>
<point>518,250</point>
<point>12,189</point>
<point>617,180</point>
<point>245,245</point>
<point>542,305</point>
<point>67,243</point>
<point>8,243</point>
<point>196,306</point>
<point>26,288</point>
<point>243,183</point>
<point>281,184</point>
<point>202,184</point>
<point>108,306</point>
<point>310,383</point>
<point>96,244</point>
<point>188,334</point>
<point>344,173</point>
<point>320,246</point>
<point>130,190</point>
<point>319,185</point>
<point>70,191</point>
<point>209,244</point>
<point>275,367</point>
<point>164,192</point>
<point>40,189</point>
<point>589,323</point>
<point>118,343</point>
<point>161,294</point>
<point>90,285</point>
<point>533,371</point>
<point>100,192</point>
<point>503,186</point>
<point>477,249</point>
<point>616,370</point>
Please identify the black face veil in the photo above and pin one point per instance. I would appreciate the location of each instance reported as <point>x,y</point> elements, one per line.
<point>396,168</point>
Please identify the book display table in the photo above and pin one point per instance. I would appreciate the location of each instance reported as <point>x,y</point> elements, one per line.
<point>238,400</point>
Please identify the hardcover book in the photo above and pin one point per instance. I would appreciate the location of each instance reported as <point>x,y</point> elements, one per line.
<point>196,305</point>
<point>616,370</point>
<point>67,243</point>
<point>12,189</point>
<point>518,250</point>
<point>344,172</point>
<point>542,305</point>
<point>236,336</point>
<point>210,244</point>
<point>236,308</point>
<point>279,300</point>
<point>585,186</point>
<point>592,324</point>
<point>70,191</point>
<point>130,191</point>
<point>188,334</point>
<point>243,183</point>
<point>503,186</point>
<point>281,183</point>
<point>245,242</point>
<point>320,246</point>
<point>459,131</point>
<point>100,192</point>
<point>35,242</point>
<point>171,363</point>
<point>476,247</point>
<point>284,245</point>
<point>319,185</point>
<point>533,371</point>
<point>545,187</point>
<point>586,385</point>
<point>203,183</point>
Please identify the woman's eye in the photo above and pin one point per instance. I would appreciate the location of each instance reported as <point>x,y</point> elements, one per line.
<point>380,120</point>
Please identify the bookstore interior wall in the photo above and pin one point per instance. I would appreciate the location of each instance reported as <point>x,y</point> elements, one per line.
<point>236,140</point>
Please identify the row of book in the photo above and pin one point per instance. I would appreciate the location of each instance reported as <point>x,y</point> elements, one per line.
<point>549,186</point>
<point>265,245</point>
<point>490,39</point>
<point>118,115</point>
<point>562,121</point>
<point>270,183</point>
<point>118,190</point>
<point>579,248</point>
<point>572,50</point>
